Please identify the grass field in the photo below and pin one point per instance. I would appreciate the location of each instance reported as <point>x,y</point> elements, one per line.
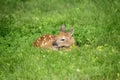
<point>97,32</point>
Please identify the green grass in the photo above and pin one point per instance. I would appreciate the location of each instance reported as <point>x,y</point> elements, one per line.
<point>97,32</point>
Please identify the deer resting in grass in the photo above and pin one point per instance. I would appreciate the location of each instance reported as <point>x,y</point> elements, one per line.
<point>63,40</point>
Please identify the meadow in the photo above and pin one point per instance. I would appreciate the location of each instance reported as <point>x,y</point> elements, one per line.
<point>97,33</point>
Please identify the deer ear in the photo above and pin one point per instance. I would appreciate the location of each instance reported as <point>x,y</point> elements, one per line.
<point>71,31</point>
<point>62,29</point>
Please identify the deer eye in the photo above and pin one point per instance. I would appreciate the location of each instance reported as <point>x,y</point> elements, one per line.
<point>62,39</point>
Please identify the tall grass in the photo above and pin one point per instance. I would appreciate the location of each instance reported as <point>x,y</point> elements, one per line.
<point>97,26</point>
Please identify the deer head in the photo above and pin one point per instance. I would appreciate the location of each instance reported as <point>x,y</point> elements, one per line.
<point>64,39</point>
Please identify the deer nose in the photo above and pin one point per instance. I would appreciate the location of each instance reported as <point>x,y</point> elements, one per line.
<point>55,43</point>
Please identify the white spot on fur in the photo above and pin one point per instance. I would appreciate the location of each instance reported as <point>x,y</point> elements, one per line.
<point>44,39</point>
<point>50,36</point>
<point>42,44</point>
<point>45,43</point>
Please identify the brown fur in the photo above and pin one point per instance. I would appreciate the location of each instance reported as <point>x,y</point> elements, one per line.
<point>62,40</point>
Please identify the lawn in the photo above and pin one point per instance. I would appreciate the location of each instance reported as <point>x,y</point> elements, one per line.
<point>97,33</point>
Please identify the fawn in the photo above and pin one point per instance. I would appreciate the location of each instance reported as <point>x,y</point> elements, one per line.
<point>63,40</point>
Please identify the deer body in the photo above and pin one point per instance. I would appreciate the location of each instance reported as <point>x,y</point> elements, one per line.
<point>62,40</point>
<point>45,41</point>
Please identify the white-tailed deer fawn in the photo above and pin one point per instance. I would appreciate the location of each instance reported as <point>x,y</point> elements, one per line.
<point>63,40</point>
